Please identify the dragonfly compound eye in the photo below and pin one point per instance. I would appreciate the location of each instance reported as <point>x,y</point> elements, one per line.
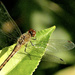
<point>32,32</point>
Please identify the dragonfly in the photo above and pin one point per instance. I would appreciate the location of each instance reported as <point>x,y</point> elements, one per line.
<point>9,32</point>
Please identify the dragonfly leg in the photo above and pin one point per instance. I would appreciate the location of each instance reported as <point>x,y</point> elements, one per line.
<point>27,52</point>
<point>25,47</point>
<point>34,39</point>
<point>31,43</point>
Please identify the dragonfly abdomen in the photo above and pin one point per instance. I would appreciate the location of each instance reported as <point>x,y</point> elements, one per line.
<point>17,47</point>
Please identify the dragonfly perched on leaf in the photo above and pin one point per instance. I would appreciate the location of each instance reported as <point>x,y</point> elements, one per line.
<point>9,33</point>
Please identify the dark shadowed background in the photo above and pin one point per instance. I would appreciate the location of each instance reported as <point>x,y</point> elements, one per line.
<point>42,14</point>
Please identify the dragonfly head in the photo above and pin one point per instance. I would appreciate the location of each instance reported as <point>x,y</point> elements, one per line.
<point>32,32</point>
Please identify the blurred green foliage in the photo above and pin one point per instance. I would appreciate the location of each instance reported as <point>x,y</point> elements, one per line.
<point>41,14</point>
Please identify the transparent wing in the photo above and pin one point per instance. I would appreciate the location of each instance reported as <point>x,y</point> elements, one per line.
<point>9,31</point>
<point>53,46</point>
<point>52,58</point>
<point>57,45</point>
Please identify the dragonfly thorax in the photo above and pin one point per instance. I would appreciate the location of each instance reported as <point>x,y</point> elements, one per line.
<point>24,38</point>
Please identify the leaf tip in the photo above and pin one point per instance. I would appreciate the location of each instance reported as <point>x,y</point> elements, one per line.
<point>54,27</point>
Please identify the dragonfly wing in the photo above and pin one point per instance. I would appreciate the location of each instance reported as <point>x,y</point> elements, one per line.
<point>8,27</point>
<point>58,45</point>
<point>52,58</point>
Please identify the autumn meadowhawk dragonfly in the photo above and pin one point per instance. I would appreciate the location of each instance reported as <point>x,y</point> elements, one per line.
<point>9,33</point>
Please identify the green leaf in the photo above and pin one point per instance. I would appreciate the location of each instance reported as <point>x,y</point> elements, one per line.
<point>25,63</point>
